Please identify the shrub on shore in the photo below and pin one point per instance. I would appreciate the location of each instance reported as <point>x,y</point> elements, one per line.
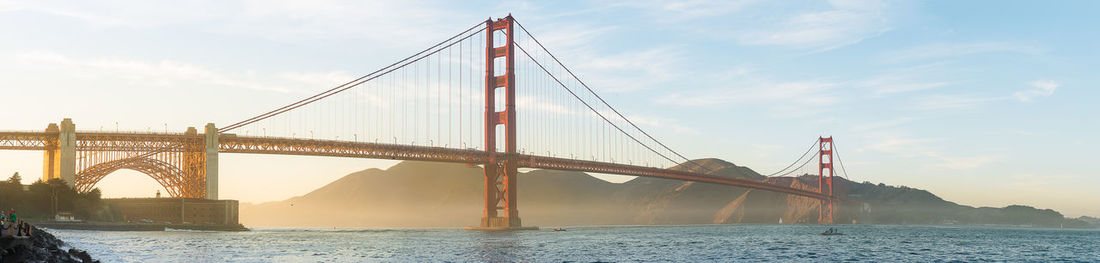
<point>41,200</point>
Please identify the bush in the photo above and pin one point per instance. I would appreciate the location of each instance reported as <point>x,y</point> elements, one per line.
<point>42,199</point>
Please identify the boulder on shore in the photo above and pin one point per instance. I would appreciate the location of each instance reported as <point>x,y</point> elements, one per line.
<point>44,247</point>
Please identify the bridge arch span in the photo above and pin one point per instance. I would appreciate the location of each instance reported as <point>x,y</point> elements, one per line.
<point>169,176</point>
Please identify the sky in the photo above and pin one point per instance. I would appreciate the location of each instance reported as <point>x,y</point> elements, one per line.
<point>984,103</point>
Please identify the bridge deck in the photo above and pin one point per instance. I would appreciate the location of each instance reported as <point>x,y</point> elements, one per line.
<point>228,143</point>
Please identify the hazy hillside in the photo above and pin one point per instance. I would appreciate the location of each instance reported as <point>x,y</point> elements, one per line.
<point>423,194</point>
<point>438,194</point>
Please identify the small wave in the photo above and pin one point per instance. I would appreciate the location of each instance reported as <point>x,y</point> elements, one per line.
<point>169,229</point>
<point>327,230</point>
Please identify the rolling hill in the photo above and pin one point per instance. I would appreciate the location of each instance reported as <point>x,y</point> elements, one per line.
<point>424,194</point>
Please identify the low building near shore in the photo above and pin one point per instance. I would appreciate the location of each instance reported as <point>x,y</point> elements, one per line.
<point>177,210</point>
<point>65,217</point>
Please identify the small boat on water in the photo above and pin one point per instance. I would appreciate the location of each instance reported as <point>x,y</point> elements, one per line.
<point>559,229</point>
<point>831,232</point>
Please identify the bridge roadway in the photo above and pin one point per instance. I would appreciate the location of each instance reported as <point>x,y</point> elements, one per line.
<point>231,143</point>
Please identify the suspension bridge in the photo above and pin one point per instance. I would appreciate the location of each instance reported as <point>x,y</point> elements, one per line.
<point>492,95</point>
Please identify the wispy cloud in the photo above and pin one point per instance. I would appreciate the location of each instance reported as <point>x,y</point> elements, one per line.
<point>656,122</point>
<point>631,70</point>
<point>680,10</point>
<point>277,20</point>
<point>565,38</point>
<point>951,102</point>
<point>946,50</point>
<point>921,147</point>
<point>82,13</point>
<point>895,144</point>
<point>1039,88</point>
<point>766,23</point>
<point>882,124</point>
<point>904,80</point>
<point>618,70</point>
<point>845,23</point>
<point>783,98</point>
<point>965,162</point>
<point>118,72</point>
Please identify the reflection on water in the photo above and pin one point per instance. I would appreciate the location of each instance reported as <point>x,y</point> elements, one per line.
<point>498,246</point>
<point>589,244</point>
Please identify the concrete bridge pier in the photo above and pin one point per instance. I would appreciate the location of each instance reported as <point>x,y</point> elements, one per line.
<point>211,134</point>
<point>59,158</point>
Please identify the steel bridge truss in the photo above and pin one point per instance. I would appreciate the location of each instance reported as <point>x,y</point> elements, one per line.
<point>176,161</point>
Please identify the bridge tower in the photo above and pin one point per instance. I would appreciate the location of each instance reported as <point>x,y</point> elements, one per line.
<point>59,158</point>
<point>826,209</point>
<point>500,171</point>
<point>211,134</point>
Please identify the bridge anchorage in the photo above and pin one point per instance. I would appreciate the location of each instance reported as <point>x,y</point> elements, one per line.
<point>544,118</point>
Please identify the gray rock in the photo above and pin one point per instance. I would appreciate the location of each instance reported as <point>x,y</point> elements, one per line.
<point>45,248</point>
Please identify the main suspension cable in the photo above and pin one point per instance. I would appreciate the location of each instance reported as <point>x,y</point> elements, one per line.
<point>797,169</point>
<point>796,160</point>
<point>838,160</point>
<point>373,75</point>
<point>604,101</point>
<point>589,106</point>
<point>349,84</point>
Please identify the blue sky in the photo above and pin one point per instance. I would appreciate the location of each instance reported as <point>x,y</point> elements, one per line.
<point>984,103</point>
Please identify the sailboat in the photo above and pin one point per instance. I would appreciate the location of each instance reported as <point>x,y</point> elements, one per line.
<point>780,220</point>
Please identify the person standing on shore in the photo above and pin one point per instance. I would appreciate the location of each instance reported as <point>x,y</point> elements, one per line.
<point>14,223</point>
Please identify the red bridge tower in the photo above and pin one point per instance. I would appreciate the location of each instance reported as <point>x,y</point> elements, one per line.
<point>500,171</point>
<point>826,210</point>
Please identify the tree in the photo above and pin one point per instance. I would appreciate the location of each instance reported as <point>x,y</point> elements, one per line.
<point>42,200</point>
<point>11,192</point>
<point>61,196</point>
<point>38,200</point>
<point>15,179</point>
<point>88,205</point>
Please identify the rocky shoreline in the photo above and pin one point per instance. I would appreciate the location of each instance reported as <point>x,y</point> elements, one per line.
<point>40,247</point>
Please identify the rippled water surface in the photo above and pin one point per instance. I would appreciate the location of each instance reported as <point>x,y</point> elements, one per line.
<point>588,244</point>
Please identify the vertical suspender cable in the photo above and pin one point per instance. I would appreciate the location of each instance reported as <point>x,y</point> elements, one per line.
<point>439,99</point>
<point>450,89</point>
<point>462,64</point>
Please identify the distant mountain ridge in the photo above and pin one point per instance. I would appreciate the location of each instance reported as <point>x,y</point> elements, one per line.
<point>424,194</point>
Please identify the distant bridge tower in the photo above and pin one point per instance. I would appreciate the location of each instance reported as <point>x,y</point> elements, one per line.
<point>500,171</point>
<point>826,211</point>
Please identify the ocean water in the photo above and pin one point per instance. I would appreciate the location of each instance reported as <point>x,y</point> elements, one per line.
<point>706,243</point>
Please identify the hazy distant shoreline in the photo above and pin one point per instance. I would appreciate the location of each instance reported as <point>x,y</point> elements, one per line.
<point>424,194</point>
